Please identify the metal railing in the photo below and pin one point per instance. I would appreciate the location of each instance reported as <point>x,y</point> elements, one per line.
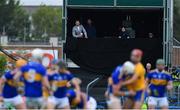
<point>174,97</point>
<point>88,86</point>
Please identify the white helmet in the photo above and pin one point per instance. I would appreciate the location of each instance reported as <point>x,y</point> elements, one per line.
<point>37,53</point>
<point>128,67</point>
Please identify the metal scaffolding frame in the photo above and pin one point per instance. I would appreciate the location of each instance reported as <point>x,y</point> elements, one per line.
<point>167,27</point>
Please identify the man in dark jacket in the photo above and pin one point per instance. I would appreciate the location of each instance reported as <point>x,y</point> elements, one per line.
<point>91,30</point>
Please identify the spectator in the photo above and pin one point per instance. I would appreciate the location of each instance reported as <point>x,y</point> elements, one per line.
<point>148,67</point>
<point>150,35</point>
<point>123,34</point>
<point>91,30</point>
<point>78,30</point>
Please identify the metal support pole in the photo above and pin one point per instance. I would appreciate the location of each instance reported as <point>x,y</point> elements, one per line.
<point>92,82</point>
<point>179,95</point>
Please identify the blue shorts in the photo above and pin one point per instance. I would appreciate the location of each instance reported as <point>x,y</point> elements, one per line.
<point>140,95</point>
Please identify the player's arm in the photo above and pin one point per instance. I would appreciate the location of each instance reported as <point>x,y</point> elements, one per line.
<point>84,98</point>
<point>131,80</point>
<point>170,83</point>
<point>45,83</point>
<point>117,92</point>
<point>116,89</point>
<point>76,83</point>
<point>17,75</point>
<point>2,81</point>
<point>109,84</point>
<point>147,81</point>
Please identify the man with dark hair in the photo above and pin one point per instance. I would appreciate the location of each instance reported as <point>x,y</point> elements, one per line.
<point>78,30</point>
<point>59,83</point>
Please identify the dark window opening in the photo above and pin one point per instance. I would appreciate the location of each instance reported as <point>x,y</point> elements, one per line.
<point>108,21</point>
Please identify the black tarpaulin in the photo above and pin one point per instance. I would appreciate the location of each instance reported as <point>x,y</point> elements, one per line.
<point>101,55</point>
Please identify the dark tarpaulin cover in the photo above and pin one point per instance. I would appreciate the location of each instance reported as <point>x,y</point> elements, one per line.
<point>102,55</point>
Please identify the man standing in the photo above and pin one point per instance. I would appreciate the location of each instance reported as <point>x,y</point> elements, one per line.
<point>136,82</point>
<point>9,91</point>
<point>59,84</point>
<point>91,30</point>
<point>148,67</point>
<point>78,30</point>
<point>34,75</point>
<point>160,81</point>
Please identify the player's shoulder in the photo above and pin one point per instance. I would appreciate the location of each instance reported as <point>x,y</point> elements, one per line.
<point>67,73</point>
<point>153,71</point>
<point>140,66</point>
<point>167,73</point>
<point>7,72</point>
<point>118,68</point>
<point>39,66</point>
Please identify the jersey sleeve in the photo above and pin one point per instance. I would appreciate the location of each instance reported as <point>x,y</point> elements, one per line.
<point>115,80</point>
<point>8,76</point>
<point>23,69</point>
<point>149,76</point>
<point>115,75</point>
<point>70,77</point>
<point>169,77</point>
<point>50,77</point>
<point>43,71</point>
<point>71,93</point>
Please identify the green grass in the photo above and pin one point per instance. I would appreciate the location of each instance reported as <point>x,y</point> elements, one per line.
<point>176,83</point>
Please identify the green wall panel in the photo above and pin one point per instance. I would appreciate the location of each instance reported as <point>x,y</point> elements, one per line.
<point>140,2</point>
<point>91,2</point>
<point>119,2</point>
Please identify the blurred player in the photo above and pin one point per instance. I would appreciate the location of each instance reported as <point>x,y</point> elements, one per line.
<point>59,85</point>
<point>77,99</point>
<point>136,82</point>
<point>34,74</point>
<point>9,90</point>
<point>114,92</point>
<point>51,69</point>
<point>160,81</point>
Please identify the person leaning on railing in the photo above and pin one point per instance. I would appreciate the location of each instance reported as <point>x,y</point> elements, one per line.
<point>79,31</point>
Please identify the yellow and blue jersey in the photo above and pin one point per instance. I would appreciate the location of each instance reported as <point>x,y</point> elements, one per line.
<point>158,83</point>
<point>59,83</point>
<point>72,95</point>
<point>9,89</point>
<point>33,74</point>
